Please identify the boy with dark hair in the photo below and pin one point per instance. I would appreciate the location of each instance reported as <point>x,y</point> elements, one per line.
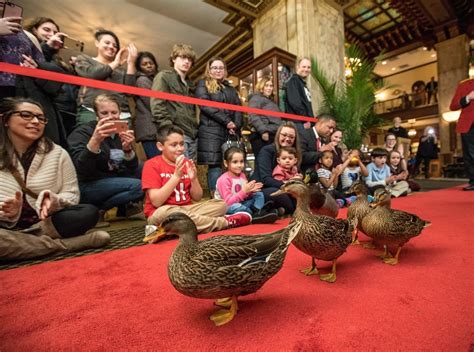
<point>171,185</point>
<point>379,172</point>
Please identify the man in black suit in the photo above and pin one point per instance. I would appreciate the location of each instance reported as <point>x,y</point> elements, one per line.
<point>312,141</point>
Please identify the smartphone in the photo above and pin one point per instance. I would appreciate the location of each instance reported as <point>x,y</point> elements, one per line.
<point>11,10</point>
<point>121,126</point>
<point>73,44</point>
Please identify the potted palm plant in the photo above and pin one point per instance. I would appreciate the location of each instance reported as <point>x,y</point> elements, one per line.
<point>352,101</point>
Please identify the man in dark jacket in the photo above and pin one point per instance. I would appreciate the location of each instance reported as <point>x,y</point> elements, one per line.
<point>313,141</point>
<point>298,96</point>
<point>397,128</point>
<point>166,112</point>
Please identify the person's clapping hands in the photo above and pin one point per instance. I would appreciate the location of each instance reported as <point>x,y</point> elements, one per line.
<point>11,207</point>
<point>252,186</point>
<point>328,147</point>
<point>179,166</point>
<point>10,25</point>
<point>192,170</point>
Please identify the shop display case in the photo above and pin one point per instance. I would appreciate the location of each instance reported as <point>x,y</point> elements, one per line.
<point>277,63</point>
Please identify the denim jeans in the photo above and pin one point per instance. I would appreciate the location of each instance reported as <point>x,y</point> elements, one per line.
<point>190,148</point>
<point>213,173</point>
<point>150,149</point>
<point>256,201</point>
<point>111,192</point>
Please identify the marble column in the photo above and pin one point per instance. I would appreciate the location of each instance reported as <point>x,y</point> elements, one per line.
<point>453,66</point>
<point>312,28</point>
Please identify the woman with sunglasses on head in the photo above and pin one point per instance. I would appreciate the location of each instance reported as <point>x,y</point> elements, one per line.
<point>105,66</point>
<point>286,136</point>
<point>215,124</point>
<point>39,193</point>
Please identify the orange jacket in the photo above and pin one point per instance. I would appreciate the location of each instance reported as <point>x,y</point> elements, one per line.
<point>467,114</point>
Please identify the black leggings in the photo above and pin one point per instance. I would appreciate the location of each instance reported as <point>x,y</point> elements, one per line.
<point>75,220</point>
<point>284,200</point>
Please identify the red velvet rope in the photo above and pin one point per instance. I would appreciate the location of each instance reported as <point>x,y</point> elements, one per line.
<point>121,88</point>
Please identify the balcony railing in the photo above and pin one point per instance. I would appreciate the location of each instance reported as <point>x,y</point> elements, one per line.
<point>404,102</point>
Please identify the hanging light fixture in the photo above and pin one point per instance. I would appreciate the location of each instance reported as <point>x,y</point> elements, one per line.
<point>411,132</point>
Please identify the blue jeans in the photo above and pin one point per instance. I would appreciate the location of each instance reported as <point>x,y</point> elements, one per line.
<point>213,174</point>
<point>255,201</point>
<point>190,148</point>
<point>150,149</point>
<point>111,192</point>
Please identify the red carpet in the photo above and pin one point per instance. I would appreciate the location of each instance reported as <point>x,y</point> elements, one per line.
<point>122,300</point>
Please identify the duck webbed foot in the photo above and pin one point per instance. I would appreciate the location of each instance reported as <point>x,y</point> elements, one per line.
<point>312,270</point>
<point>223,302</point>
<point>393,260</point>
<point>331,277</point>
<point>369,245</point>
<point>386,254</point>
<point>223,316</point>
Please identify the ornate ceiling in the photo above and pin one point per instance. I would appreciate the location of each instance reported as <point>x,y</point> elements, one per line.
<point>379,26</point>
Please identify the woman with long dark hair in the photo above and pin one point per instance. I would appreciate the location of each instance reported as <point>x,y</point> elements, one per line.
<point>216,124</point>
<point>145,129</point>
<point>39,193</point>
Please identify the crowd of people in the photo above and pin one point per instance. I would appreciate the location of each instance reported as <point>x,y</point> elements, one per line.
<point>68,155</point>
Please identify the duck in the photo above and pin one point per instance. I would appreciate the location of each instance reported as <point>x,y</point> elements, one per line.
<point>321,201</point>
<point>358,209</point>
<point>390,227</point>
<point>223,267</point>
<point>321,237</point>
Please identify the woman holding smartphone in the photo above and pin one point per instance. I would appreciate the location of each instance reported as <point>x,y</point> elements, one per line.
<point>105,66</point>
<point>106,163</point>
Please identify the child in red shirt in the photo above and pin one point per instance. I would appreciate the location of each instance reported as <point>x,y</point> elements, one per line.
<point>171,184</point>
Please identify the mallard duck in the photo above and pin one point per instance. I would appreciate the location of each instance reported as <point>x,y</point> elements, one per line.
<point>223,267</point>
<point>321,202</point>
<point>358,209</point>
<point>391,227</point>
<point>320,236</point>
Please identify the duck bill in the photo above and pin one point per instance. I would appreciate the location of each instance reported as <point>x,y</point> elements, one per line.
<point>155,236</point>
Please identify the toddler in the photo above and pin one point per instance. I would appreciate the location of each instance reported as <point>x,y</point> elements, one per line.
<point>287,165</point>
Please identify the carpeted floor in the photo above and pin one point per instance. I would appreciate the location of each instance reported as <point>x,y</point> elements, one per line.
<point>122,299</point>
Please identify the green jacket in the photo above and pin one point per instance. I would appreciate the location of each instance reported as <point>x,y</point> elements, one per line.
<point>166,112</point>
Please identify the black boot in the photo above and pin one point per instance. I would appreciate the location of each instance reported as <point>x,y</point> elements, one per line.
<point>264,217</point>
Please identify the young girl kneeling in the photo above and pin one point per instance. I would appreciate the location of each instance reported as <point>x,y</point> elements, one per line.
<point>239,194</point>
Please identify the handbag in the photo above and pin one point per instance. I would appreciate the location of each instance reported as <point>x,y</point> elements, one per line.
<point>232,141</point>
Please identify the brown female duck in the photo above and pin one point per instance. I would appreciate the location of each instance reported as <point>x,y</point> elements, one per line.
<point>223,267</point>
<point>391,227</point>
<point>321,202</point>
<point>320,236</point>
<point>358,209</point>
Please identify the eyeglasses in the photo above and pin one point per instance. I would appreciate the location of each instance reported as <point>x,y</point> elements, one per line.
<point>289,136</point>
<point>28,116</point>
<point>217,68</point>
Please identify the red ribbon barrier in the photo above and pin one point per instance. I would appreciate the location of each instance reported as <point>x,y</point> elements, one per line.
<point>121,88</point>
